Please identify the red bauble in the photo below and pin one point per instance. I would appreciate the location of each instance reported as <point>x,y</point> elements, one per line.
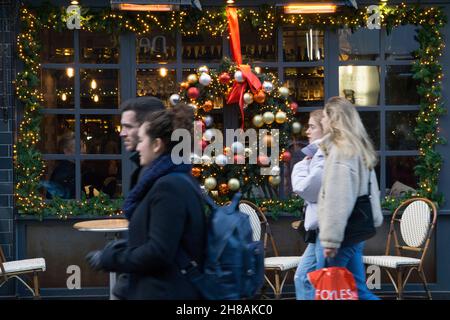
<point>263,160</point>
<point>224,78</point>
<point>286,156</point>
<point>193,93</point>
<point>294,106</point>
<point>239,159</point>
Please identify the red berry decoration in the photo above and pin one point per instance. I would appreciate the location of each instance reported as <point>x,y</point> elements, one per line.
<point>193,93</point>
<point>294,106</point>
<point>224,78</point>
<point>286,156</point>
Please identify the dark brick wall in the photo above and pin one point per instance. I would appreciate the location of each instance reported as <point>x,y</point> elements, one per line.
<point>8,33</point>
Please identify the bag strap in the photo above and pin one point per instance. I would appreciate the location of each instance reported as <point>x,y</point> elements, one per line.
<point>368,190</point>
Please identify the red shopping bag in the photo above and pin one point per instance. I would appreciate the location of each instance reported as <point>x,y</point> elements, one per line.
<point>334,283</point>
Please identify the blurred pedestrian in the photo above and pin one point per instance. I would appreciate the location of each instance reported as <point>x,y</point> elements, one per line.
<point>306,182</point>
<point>165,213</point>
<point>133,113</point>
<point>348,181</point>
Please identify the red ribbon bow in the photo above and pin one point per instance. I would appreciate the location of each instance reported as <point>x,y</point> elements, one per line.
<point>250,80</point>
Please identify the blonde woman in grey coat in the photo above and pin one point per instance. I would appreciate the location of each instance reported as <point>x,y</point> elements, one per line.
<point>348,176</point>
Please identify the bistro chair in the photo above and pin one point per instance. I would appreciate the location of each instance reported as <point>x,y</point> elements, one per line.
<point>18,268</point>
<point>415,219</point>
<point>280,265</point>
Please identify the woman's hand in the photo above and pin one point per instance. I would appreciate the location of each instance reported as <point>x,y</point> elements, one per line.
<point>329,252</point>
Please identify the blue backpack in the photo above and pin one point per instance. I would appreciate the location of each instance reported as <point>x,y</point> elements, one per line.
<point>234,263</point>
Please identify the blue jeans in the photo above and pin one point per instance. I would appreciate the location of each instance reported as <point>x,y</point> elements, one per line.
<point>303,288</point>
<point>349,257</point>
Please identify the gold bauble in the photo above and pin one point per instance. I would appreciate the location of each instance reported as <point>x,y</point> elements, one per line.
<point>274,180</point>
<point>192,78</point>
<point>280,117</point>
<point>210,183</point>
<point>234,184</point>
<point>196,172</point>
<point>208,106</point>
<point>268,117</point>
<point>258,121</point>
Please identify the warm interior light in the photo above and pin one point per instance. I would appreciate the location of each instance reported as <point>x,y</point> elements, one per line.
<point>258,70</point>
<point>163,72</point>
<point>96,98</point>
<point>146,7</point>
<point>64,97</point>
<point>310,8</point>
<point>74,2</point>
<point>70,72</point>
<point>93,84</point>
<point>230,1</point>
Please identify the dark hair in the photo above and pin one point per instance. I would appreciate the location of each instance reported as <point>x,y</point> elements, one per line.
<point>142,106</point>
<point>161,124</point>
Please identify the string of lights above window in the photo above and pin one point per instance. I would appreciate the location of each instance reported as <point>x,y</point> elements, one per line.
<point>29,166</point>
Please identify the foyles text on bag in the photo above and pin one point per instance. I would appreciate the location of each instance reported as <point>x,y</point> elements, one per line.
<point>333,283</point>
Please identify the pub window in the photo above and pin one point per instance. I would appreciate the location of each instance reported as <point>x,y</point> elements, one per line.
<point>201,48</point>
<point>81,120</point>
<point>156,47</point>
<point>360,84</point>
<point>363,44</point>
<point>303,45</point>
<point>306,85</point>
<point>254,49</point>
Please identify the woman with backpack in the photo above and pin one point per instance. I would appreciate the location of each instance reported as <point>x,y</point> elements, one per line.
<point>349,201</point>
<point>306,180</point>
<point>166,217</point>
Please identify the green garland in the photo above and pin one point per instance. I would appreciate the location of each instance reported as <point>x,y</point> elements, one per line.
<point>28,160</point>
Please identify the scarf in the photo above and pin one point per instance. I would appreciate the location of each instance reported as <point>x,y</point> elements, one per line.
<point>159,167</point>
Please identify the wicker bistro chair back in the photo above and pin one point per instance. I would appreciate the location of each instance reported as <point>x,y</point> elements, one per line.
<point>409,238</point>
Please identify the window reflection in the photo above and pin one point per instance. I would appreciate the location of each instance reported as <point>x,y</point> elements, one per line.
<point>306,85</point>
<point>303,45</point>
<point>254,48</point>
<point>401,43</point>
<point>371,121</point>
<point>57,47</point>
<point>59,177</point>
<point>100,134</point>
<point>156,47</point>
<point>400,130</point>
<point>401,88</point>
<point>363,44</point>
<point>57,87</point>
<point>97,47</point>
<point>101,176</point>
<point>360,84</point>
<point>99,88</point>
<point>201,47</point>
<point>53,129</point>
<point>400,170</point>
<point>160,83</point>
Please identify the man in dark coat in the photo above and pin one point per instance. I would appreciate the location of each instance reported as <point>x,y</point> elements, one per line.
<point>133,113</point>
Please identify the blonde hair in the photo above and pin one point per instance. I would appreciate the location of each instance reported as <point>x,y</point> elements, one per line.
<point>317,115</point>
<point>347,131</point>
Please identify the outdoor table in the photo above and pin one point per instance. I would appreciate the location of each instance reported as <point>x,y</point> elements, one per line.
<point>107,226</point>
